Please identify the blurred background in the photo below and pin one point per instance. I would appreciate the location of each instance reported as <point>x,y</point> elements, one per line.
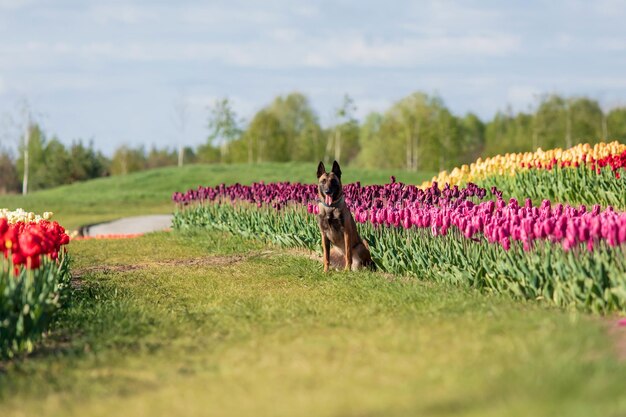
<point>91,89</point>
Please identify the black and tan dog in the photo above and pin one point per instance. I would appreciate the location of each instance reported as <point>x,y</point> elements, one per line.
<point>337,225</point>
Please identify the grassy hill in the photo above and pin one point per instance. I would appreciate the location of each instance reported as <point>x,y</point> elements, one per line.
<point>149,192</point>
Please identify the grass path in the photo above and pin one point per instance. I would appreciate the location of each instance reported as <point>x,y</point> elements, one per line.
<point>169,324</point>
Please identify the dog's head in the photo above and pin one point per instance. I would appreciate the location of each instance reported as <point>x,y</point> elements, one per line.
<point>329,183</point>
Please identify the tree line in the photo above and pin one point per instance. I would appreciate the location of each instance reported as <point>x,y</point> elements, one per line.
<point>418,132</point>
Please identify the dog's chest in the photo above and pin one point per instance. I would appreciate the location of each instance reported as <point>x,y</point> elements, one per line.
<point>332,223</point>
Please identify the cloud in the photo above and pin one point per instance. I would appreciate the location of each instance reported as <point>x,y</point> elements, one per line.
<point>14,4</point>
<point>132,55</point>
<point>123,13</point>
<point>609,8</point>
<point>520,96</point>
<point>366,105</point>
<point>263,37</point>
<point>419,50</point>
<point>243,107</point>
<point>306,10</point>
<point>286,49</point>
<point>563,41</point>
<point>442,17</point>
<point>223,15</point>
<point>616,44</point>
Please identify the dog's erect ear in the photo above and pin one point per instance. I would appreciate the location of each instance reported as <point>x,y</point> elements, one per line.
<point>336,170</point>
<point>321,169</point>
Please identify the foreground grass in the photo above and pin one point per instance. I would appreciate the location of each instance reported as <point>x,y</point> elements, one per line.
<point>215,325</point>
<point>149,192</point>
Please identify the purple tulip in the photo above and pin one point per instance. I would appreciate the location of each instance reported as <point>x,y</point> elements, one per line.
<point>401,205</point>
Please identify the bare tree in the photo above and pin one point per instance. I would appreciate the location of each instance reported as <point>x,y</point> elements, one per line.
<point>26,146</point>
<point>20,125</point>
<point>607,105</point>
<point>413,112</point>
<point>181,116</point>
<point>568,123</point>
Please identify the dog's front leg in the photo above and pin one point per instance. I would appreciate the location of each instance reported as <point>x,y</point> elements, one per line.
<point>326,248</point>
<point>348,251</point>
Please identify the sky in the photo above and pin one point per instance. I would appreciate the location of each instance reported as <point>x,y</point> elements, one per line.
<point>116,72</point>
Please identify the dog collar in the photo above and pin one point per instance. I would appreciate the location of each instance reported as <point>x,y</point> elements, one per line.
<point>334,204</point>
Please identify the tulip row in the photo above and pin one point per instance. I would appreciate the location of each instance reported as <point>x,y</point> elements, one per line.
<point>34,278</point>
<point>459,235</point>
<point>583,185</point>
<point>278,195</point>
<point>615,162</point>
<point>27,243</point>
<point>502,223</point>
<point>19,215</point>
<point>109,236</point>
<point>511,164</point>
<point>399,205</point>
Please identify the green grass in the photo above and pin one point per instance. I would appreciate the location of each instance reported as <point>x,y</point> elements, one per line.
<point>211,324</point>
<point>149,192</point>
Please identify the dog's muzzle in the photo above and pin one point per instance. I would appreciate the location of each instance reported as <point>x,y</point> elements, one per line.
<point>328,195</point>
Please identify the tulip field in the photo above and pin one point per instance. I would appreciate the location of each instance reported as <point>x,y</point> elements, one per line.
<point>485,225</point>
<point>481,308</point>
<point>34,277</point>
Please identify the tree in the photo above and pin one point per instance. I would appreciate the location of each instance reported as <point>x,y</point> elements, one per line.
<point>586,120</point>
<point>447,143</point>
<point>473,138</point>
<point>158,158</point>
<point>224,127</point>
<point>300,126</point>
<point>86,163</point>
<point>190,155</point>
<point>9,181</point>
<point>19,125</point>
<point>31,158</point>
<point>346,127</point>
<point>550,122</point>
<point>417,132</point>
<point>563,122</point>
<point>418,123</point>
<point>266,137</point>
<point>53,172</point>
<point>412,114</point>
<point>285,130</point>
<point>371,141</point>
<point>126,160</point>
<point>349,143</point>
<point>616,124</point>
<point>509,132</point>
<point>208,154</point>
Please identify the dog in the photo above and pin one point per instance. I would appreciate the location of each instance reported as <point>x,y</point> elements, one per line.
<point>337,225</point>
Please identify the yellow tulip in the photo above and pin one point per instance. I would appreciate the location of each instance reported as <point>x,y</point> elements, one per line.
<point>510,163</point>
